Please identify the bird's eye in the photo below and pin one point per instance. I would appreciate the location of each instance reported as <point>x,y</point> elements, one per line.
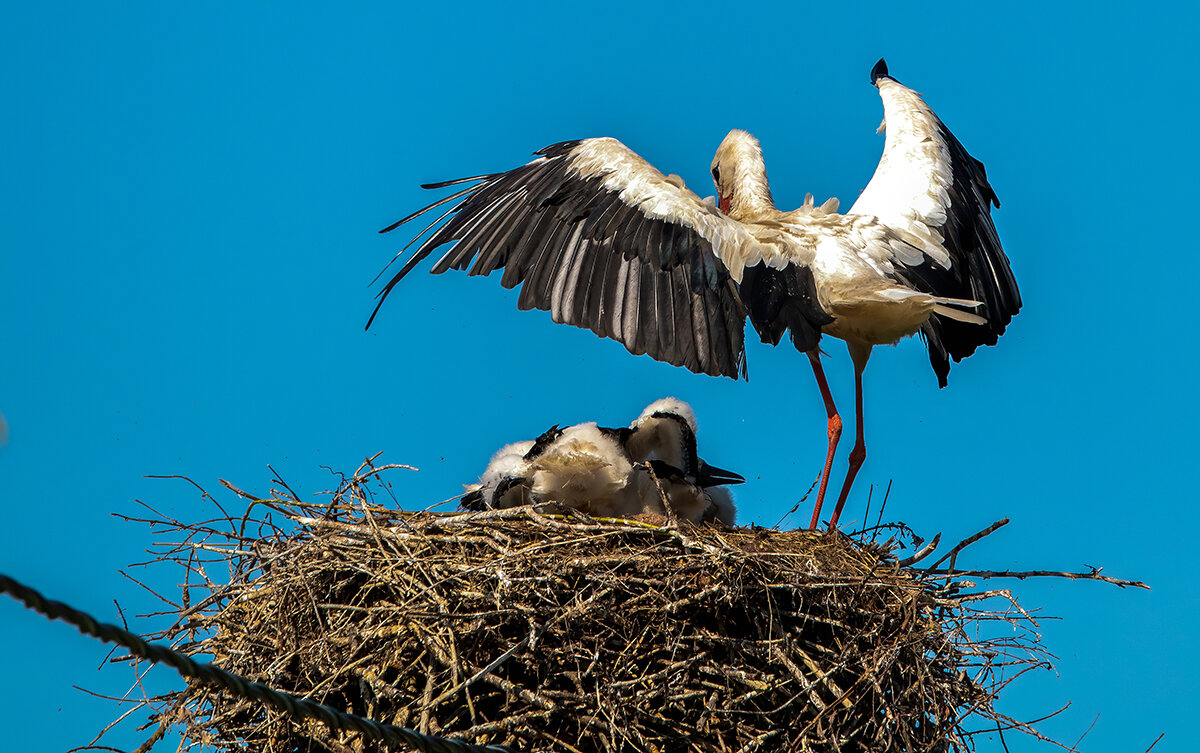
<point>716,174</point>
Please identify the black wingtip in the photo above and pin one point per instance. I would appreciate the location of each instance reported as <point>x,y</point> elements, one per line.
<point>879,71</point>
<point>372,319</point>
<point>473,501</point>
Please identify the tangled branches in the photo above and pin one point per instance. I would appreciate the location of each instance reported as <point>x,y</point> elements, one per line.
<point>567,633</point>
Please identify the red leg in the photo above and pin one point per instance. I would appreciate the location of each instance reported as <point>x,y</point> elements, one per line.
<point>859,453</point>
<point>835,432</point>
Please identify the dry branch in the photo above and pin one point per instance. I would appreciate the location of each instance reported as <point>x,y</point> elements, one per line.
<point>1093,574</point>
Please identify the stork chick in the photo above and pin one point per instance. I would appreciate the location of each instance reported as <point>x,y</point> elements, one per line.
<point>611,472</point>
<point>666,431</point>
<point>698,499</point>
<point>588,469</point>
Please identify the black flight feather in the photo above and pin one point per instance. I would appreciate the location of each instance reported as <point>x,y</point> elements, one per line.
<point>578,250</point>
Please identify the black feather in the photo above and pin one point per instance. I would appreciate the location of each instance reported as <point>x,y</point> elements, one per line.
<point>621,435</point>
<point>879,71</point>
<point>473,501</point>
<point>685,340</point>
<point>575,246</point>
<point>542,442</point>
<point>665,325</point>
<point>508,482</point>
<point>455,182</point>
<point>779,300</point>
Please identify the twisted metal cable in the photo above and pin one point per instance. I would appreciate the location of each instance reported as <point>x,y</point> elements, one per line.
<point>207,673</point>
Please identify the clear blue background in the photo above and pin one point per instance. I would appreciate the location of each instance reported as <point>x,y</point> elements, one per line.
<point>188,213</point>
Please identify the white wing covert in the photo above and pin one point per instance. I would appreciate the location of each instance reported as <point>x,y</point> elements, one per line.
<point>601,239</point>
<point>937,198</point>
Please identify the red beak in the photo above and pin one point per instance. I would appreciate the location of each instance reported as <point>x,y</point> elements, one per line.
<point>723,202</point>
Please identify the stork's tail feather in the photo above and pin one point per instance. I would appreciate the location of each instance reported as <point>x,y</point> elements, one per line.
<point>963,302</point>
<point>958,315</point>
<point>952,308</point>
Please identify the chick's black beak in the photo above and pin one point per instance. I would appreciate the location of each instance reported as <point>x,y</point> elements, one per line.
<point>710,475</point>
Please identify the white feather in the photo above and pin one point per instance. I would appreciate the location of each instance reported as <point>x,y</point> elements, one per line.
<point>722,503</point>
<point>669,405</point>
<point>910,190</point>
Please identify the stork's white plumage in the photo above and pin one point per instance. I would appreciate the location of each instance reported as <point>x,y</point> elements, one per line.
<point>602,240</point>
<point>611,472</point>
<point>503,482</point>
<point>666,431</point>
<point>722,508</point>
<point>587,469</point>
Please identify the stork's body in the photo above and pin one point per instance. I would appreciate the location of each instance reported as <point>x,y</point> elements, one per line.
<point>602,240</point>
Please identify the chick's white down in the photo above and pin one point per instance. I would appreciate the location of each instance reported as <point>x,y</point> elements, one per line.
<point>610,472</point>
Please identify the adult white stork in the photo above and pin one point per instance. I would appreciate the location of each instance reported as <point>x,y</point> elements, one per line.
<point>602,240</point>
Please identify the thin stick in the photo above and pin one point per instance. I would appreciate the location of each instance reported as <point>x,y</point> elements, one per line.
<point>925,552</point>
<point>803,497</point>
<point>1086,731</point>
<point>883,506</point>
<point>970,540</point>
<point>1023,574</point>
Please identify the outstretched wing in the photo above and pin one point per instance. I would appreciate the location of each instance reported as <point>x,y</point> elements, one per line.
<point>937,196</point>
<point>602,240</point>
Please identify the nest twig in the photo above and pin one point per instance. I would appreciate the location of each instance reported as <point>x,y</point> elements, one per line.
<point>566,633</point>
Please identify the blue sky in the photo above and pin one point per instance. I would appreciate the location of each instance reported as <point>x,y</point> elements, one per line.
<point>189,212</point>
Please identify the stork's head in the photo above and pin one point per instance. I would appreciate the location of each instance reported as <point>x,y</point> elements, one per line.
<point>665,431</point>
<point>508,461</point>
<point>668,407</point>
<point>741,176</point>
<point>501,484</point>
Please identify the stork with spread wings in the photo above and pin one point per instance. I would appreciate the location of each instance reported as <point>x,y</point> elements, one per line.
<point>602,240</point>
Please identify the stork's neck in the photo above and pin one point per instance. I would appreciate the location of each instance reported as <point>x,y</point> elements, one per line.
<point>751,191</point>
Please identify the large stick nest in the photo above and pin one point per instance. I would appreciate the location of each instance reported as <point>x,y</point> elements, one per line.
<point>566,633</point>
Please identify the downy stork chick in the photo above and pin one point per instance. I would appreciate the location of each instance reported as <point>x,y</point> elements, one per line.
<point>722,509</point>
<point>607,472</point>
<point>583,467</point>
<point>587,468</point>
<point>665,432</point>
